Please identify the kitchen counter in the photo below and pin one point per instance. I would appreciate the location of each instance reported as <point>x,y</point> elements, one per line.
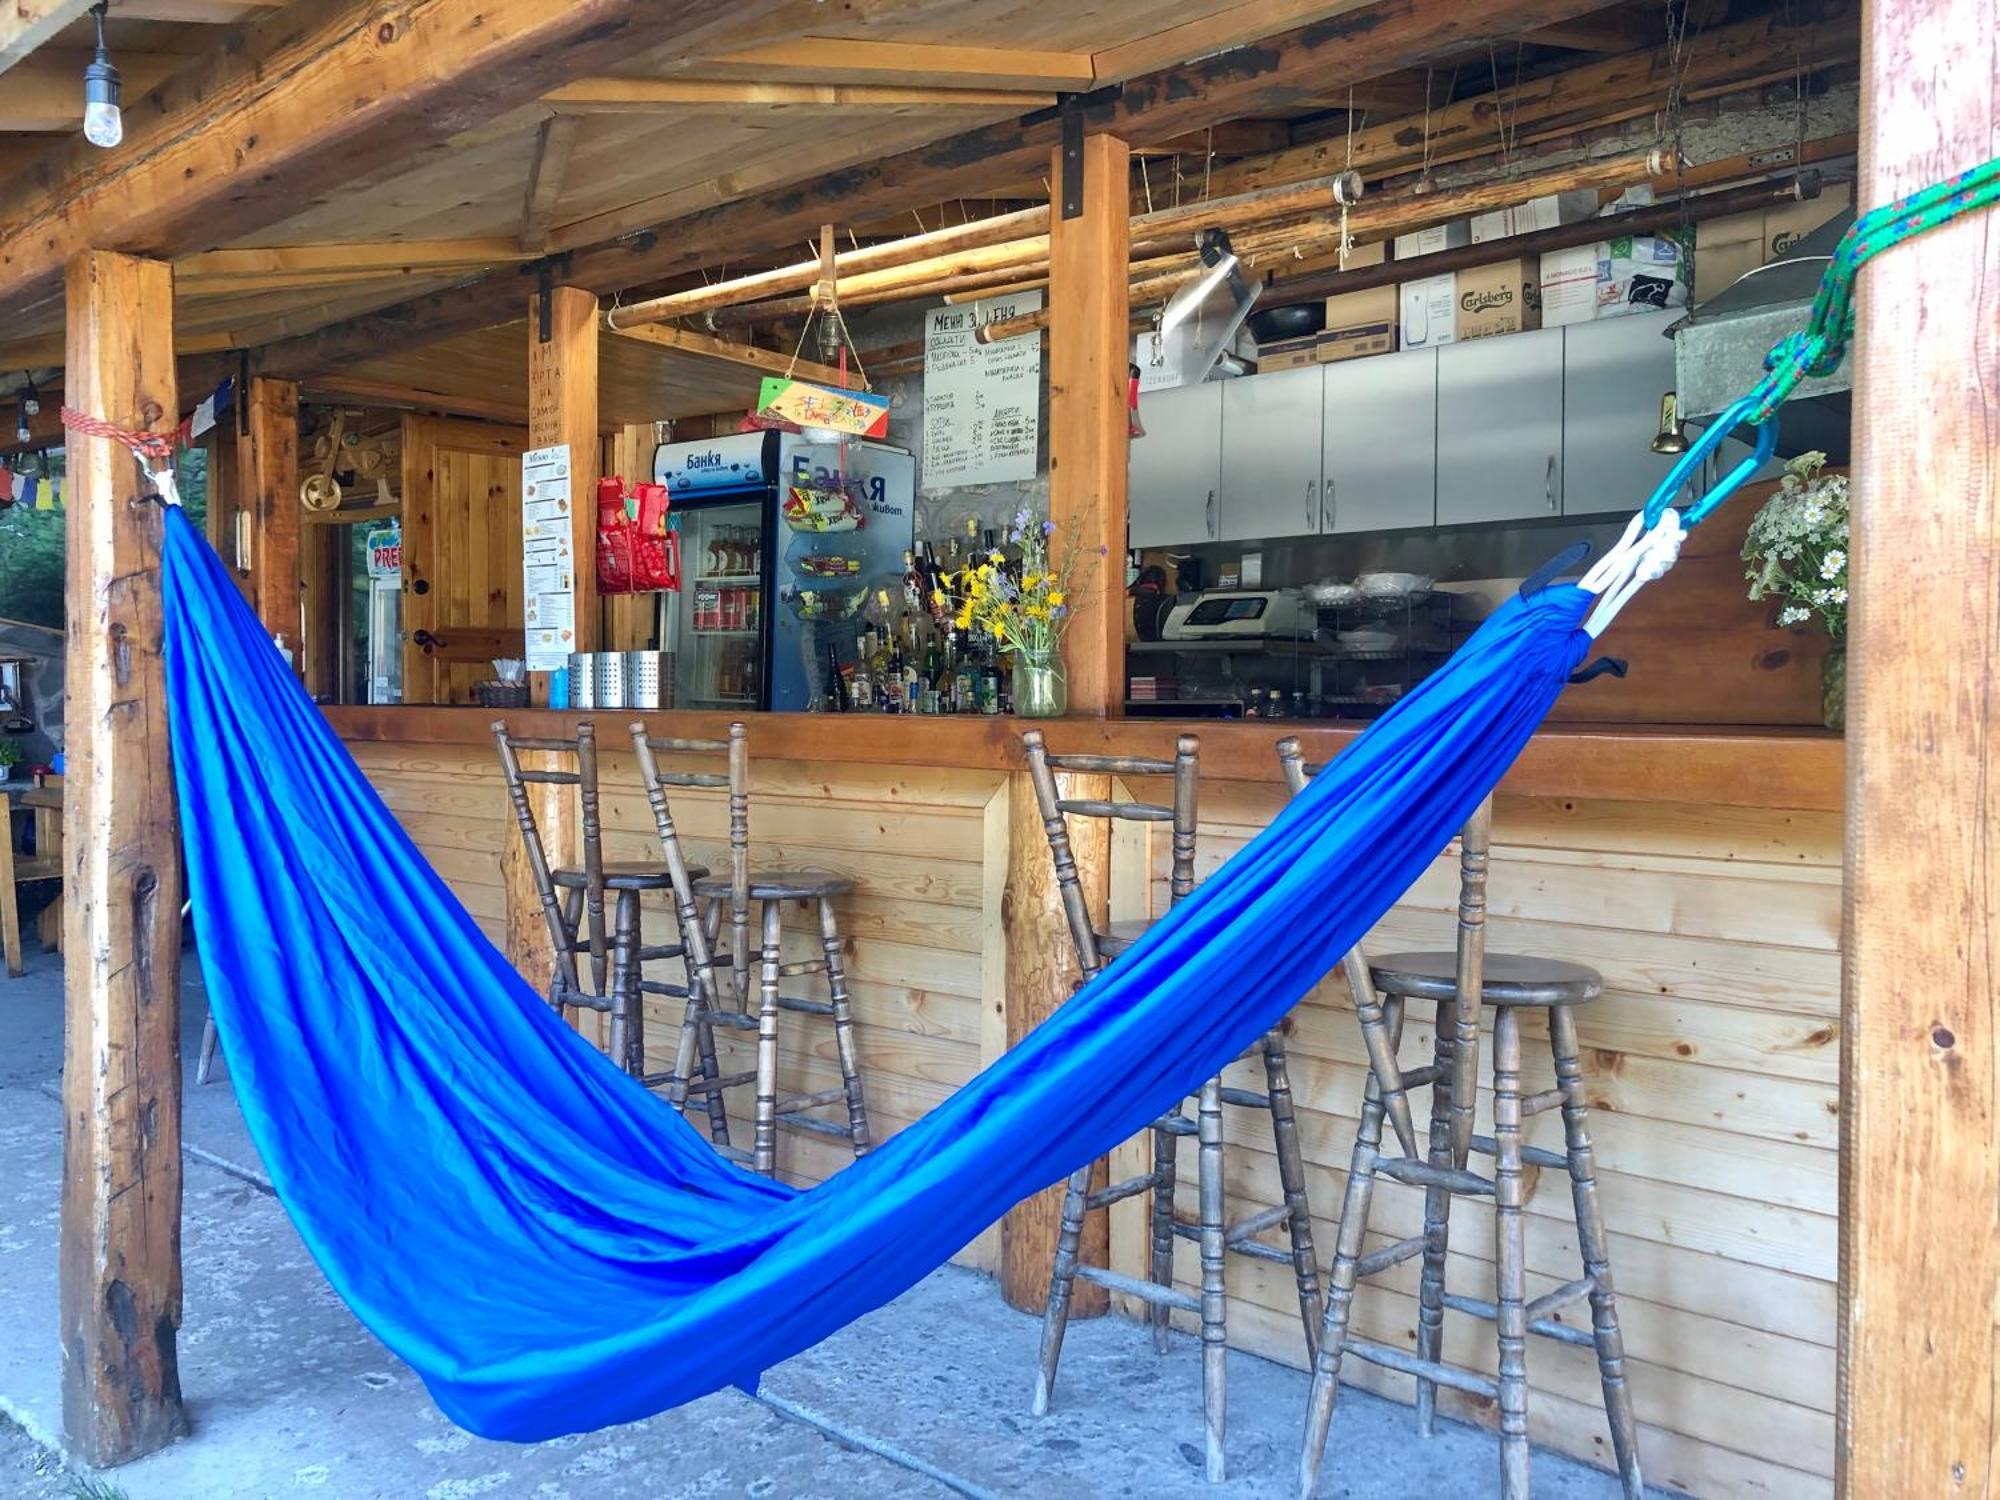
<point>1728,766</point>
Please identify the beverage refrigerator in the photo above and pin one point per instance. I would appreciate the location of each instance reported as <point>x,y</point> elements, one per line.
<point>770,580</point>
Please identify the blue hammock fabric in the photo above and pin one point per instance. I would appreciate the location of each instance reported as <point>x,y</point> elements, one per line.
<point>551,1247</point>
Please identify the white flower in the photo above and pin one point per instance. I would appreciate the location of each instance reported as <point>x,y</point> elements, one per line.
<point>1814,514</point>
<point>1793,614</point>
<point>1833,564</point>
<point>1838,596</point>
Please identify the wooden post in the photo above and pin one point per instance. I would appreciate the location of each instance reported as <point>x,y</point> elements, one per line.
<point>562,408</point>
<point>268,488</point>
<point>121,1088</point>
<point>1041,975</point>
<point>1090,353</point>
<point>1920,1102</point>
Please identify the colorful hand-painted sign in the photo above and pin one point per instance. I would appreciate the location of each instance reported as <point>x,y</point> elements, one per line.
<point>861,413</point>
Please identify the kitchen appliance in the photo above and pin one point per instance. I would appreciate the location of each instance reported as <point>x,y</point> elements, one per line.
<point>774,569</point>
<point>1241,614</point>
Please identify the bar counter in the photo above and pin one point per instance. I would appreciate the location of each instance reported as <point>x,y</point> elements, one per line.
<point>1697,870</point>
<point>1722,766</point>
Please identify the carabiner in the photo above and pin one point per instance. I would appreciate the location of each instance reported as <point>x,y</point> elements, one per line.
<point>1726,422</point>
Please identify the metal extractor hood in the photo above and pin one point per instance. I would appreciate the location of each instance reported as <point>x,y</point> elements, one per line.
<point>1719,347</point>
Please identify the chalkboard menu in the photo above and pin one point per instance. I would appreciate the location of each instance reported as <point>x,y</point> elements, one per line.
<point>982,402</point>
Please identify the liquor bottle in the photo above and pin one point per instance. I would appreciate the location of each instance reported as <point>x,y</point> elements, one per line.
<point>836,685</point>
<point>861,683</point>
<point>913,583</point>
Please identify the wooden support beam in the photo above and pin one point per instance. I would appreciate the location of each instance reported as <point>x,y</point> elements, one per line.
<point>841,60</point>
<point>347,99</point>
<point>1220,31</point>
<point>26,24</point>
<point>617,96</point>
<point>562,408</point>
<point>1920,988</point>
<point>269,477</point>
<point>687,341</point>
<point>553,143</point>
<point>247,269</point>
<point>1041,975</point>
<point>45,92</point>
<point>1089,357</point>
<point>120,1266</point>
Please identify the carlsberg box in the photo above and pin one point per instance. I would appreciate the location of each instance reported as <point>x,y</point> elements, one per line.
<point>1505,297</point>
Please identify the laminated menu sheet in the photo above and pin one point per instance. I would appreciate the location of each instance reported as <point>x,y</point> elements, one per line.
<point>548,558</point>
<point>982,402</point>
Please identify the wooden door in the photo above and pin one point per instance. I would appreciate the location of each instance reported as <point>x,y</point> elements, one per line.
<point>461,554</point>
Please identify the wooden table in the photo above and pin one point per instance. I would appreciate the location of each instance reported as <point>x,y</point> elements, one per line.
<point>45,803</point>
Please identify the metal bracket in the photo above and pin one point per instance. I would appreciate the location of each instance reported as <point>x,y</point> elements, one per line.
<point>545,296</point>
<point>1072,158</point>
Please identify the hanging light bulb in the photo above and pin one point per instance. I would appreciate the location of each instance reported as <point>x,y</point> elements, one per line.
<point>31,400</point>
<point>23,433</point>
<point>103,122</point>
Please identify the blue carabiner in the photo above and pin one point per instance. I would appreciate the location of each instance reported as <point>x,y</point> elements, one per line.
<point>1726,422</point>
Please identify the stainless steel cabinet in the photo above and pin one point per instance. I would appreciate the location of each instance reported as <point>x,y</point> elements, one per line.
<point>1500,428</point>
<point>1614,372</point>
<point>1378,442</point>
<point>1270,455</point>
<point>1175,470</point>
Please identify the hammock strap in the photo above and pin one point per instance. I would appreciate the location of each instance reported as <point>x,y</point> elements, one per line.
<point>154,451</point>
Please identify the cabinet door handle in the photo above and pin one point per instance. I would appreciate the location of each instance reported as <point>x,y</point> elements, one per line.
<point>1549,482</point>
<point>1312,503</point>
<point>1208,514</point>
<point>1326,504</point>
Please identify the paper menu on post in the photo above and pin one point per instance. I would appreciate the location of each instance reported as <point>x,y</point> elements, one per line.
<point>982,402</point>
<point>548,558</point>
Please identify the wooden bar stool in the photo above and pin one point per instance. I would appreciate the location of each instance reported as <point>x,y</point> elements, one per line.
<point>1507,984</point>
<point>44,804</point>
<point>707,1004</point>
<point>1216,1237</point>
<point>576,916</point>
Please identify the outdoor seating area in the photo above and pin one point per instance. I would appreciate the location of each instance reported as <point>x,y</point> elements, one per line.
<point>945,747</point>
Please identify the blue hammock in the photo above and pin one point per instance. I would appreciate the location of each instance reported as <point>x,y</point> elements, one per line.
<point>552,1248</point>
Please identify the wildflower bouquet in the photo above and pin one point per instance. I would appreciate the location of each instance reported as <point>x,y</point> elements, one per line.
<point>1026,605</point>
<point>1797,546</point>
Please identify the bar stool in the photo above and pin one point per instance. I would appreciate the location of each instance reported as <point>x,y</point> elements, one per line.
<point>1508,984</point>
<point>1216,1237</point>
<point>576,917</point>
<point>706,1007</point>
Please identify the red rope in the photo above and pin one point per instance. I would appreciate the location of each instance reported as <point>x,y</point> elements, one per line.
<point>154,445</point>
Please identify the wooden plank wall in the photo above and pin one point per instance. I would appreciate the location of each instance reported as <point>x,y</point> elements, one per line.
<point>1713,1066</point>
<point>1713,1063</point>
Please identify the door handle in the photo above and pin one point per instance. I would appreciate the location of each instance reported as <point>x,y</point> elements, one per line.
<point>1312,503</point>
<point>1549,482</point>
<point>1208,514</point>
<point>1326,504</point>
<point>428,642</point>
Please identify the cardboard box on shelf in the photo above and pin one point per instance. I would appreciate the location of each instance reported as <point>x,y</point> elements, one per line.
<point>1788,223</point>
<point>1505,297</point>
<point>1569,284</point>
<point>1286,354</point>
<point>1641,273</point>
<point>1428,311</point>
<point>1452,236</point>
<point>1352,343</point>
<point>1347,310</point>
<point>1724,249</point>
<point>1545,212</point>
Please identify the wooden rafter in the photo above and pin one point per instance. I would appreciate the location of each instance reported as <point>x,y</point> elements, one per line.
<point>646,95</point>
<point>27,24</point>
<point>235,142</point>
<point>840,60</point>
<point>553,143</point>
<point>243,270</point>
<point>686,341</point>
<point>45,91</point>
<point>1237,26</point>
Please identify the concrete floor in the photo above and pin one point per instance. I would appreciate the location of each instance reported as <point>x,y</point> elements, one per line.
<point>289,1396</point>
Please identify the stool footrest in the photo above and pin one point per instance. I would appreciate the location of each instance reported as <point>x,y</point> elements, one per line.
<point>721,1081</point>
<point>1423,1174</point>
<point>1118,1192</point>
<point>732,1153</point>
<point>1541,1103</point>
<point>1534,1156</point>
<point>1391,1358</point>
<point>1177,1125</point>
<point>1566,1295</point>
<point>1235,1234</point>
<point>1258,1250</point>
<point>735,1020</point>
<point>796,1102</point>
<point>1547,1328</point>
<point>805,1007</point>
<point>1150,1292</point>
<point>817,1126</point>
<point>1423,1077</point>
<point>1246,1098</point>
<point>1376,1261</point>
<point>652,952</point>
<point>803,966</point>
<point>661,987</point>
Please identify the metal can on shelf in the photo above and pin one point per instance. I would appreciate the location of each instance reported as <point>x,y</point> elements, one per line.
<point>582,680</point>
<point>649,675</point>
<point>609,672</point>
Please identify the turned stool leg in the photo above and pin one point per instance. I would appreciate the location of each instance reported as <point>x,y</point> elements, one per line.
<point>1509,1256</point>
<point>843,1027</point>
<point>1437,1220</point>
<point>1166,1148</point>
<point>1062,1278</point>
<point>1344,1271</point>
<point>1292,1178</point>
<point>1596,1261</point>
<point>764,1149</point>
<point>1214,1296</point>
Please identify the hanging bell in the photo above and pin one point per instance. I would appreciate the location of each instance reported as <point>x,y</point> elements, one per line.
<point>1672,436</point>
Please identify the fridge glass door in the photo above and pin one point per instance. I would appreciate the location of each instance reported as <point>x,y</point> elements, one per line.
<point>716,622</point>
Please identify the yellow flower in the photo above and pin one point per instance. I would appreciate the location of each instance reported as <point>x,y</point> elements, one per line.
<point>937,598</point>
<point>996,558</point>
<point>1056,597</point>
<point>965,615</point>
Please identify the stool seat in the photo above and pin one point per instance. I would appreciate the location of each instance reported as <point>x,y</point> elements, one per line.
<point>787,885</point>
<point>628,875</point>
<point>1511,978</point>
<point>1115,939</point>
